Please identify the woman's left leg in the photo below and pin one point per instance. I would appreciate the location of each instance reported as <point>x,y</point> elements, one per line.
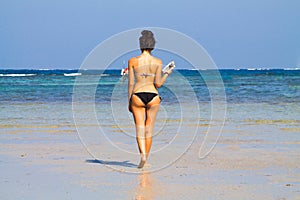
<point>138,110</point>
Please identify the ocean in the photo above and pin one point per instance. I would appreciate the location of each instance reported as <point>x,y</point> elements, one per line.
<point>40,104</point>
<point>273,86</point>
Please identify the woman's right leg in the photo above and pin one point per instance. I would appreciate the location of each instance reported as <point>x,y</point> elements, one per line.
<point>151,113</point>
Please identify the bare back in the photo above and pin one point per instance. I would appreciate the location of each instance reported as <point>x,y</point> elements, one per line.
<point>144,70</point>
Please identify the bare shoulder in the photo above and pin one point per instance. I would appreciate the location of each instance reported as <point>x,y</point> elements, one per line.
<point>132,62</point>
<point>133,59</point>
<point>157,61</point>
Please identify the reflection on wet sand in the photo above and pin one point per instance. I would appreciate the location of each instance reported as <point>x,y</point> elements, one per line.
<point>144,189</point>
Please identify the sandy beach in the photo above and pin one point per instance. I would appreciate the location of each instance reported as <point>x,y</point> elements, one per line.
<point>49,161</point>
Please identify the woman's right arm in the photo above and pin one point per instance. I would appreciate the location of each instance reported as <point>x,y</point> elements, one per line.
<point>159,80</point>
<point>130,78</point>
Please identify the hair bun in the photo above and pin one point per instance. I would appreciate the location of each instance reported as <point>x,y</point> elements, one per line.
<point>147,41</point>
<point>147,33</point>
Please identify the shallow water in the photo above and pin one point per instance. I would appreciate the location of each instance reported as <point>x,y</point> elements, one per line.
<point>46,100</point>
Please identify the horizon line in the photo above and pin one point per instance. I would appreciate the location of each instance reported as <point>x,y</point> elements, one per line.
<point>250,68</point>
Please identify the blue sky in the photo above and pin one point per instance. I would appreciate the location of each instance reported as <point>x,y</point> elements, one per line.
<point>236,33</point>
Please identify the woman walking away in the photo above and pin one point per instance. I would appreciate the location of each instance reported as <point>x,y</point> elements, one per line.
<point>145,76</point>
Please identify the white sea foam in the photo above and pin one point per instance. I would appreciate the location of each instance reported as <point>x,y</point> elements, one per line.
<point>72,74</point>
<point>259,69</point>
<point>291,69</point>
<point>17,75</point>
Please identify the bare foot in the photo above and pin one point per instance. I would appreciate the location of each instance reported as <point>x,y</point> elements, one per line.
<point>142,163</point>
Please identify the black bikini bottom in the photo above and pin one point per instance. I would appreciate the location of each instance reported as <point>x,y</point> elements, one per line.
<point>146,97</point>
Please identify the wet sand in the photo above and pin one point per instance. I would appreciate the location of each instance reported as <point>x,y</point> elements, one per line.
<point>246,163</point>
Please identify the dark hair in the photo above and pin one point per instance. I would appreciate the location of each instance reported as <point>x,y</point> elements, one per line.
<point>147,41</point>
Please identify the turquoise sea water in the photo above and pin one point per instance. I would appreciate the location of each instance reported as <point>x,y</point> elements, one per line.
<point>252,86</point>
<point>41,100</point>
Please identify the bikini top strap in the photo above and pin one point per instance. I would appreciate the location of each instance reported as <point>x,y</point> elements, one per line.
<point>145,74</point>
